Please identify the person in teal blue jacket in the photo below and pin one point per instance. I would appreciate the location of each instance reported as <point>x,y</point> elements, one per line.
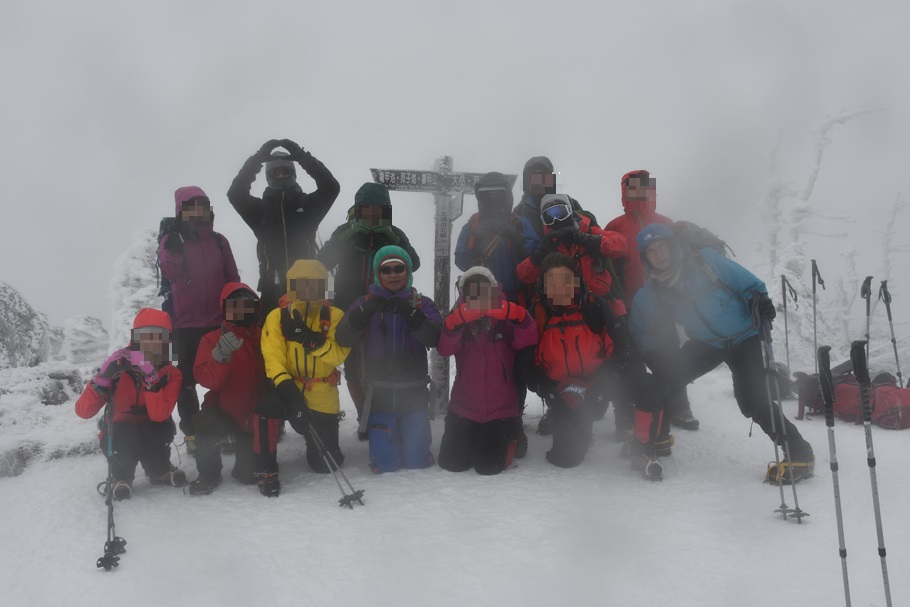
<point>713,299</point>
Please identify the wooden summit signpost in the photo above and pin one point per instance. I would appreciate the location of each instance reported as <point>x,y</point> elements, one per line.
<point>448,189</point>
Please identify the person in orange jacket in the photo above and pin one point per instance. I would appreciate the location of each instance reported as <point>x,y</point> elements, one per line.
<point>141,386</point>
<point>229,363</point>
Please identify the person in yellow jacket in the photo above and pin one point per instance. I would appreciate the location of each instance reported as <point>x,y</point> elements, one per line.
<point>302,360</point>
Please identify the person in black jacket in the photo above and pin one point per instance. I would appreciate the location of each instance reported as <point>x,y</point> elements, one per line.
<point>285,219</point>
<point>351,249</point>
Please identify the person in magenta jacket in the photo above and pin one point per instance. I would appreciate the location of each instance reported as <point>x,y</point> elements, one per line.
<point>483,332</point>
<point>198,261</point>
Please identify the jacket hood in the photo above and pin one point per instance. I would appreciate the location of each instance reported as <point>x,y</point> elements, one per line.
<point>280,160</point>
<point>233,287</point>
<point>150,317</point>
<point>633,206</point>
<point>537,163</point>
<point>650,234</point>
<point>306,268</point>
<point>392,251</point>
<point>372,194</point>
<point>184,194</point>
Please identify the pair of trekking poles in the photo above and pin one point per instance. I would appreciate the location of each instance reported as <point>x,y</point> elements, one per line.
<point>115,545</point>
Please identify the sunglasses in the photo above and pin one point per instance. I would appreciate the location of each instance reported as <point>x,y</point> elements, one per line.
<point>557,212</point>
<point>199,201</point>
<point>397,269</point>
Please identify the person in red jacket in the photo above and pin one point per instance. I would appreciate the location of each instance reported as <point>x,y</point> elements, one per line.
<point>229,363</point>
<point>141,386</point>
<point>483,332</point>
<point>578,359</point>
<point>639,203</point>
<point>592,248</point>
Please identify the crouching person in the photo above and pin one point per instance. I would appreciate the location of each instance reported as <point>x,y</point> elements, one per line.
<point>713,298</point>
<point>571,372</point>
<point>396,326</point>
<point>229,364</point>
<point>483,425</point>
<point>302,360</point>
<point>142,385</point>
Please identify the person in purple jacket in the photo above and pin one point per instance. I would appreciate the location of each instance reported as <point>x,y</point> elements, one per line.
<point>483,332</point>
<point>198,261</point>
<point>396,326</point>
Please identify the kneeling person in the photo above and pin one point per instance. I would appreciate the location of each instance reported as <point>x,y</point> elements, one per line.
<point>229,363</point>
<point>396,325</point>
<point>483,425</point>
<point>142,386</point>
<point>302,360</point>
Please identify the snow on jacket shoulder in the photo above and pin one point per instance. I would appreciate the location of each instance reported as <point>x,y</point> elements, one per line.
<point>714,312</point>
<point>132,402</point>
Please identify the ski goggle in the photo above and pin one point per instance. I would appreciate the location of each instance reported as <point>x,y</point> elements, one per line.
<point>557,212</point>
<point>397,269</point>
<point>199,202</point>
<point>281,172</point>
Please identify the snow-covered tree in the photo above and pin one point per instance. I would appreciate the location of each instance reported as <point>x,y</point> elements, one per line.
<point>24,332</point>
<point>134,285</point>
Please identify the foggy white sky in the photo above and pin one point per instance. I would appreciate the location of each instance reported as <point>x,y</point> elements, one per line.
<point>108,107</point>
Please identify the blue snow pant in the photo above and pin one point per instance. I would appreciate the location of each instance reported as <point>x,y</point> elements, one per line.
<point>400,439</point>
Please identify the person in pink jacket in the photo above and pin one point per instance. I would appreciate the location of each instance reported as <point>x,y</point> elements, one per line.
<point>198,261</point>
<point>483,332</point>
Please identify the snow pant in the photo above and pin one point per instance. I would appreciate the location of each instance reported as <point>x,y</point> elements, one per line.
<point>400,440</point>
<point>148,443</point>
<point>571,433</point>
<point>187,401</point>
<point>487,446</point>
<point>697,358</point>
<point>648,418</point>
<point>326,426</point>
<point>213,427</point>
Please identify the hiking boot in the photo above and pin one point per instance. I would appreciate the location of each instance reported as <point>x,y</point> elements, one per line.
<point>174,477</point>
<point>649,466</point>
<point>205,484</point>
<point>123,490</point>
<point>685,420</point>
<point>545,426</point>
<point>521,445</point>
<point>663,448</point>
<point>269,485</point>
<point>781,475</point>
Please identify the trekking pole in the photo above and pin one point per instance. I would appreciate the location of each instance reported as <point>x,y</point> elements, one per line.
<point>785,287</point>
<point>861,372</point>
<point>115,545</point>
<point>356,495</point>
<point>885,296</point>
<point>865,292</point>
<point>816,280</point>
<point>763,333</point>
<point>827,386</point>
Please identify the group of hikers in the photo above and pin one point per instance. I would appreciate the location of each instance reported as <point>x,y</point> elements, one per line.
<point>548,302</point>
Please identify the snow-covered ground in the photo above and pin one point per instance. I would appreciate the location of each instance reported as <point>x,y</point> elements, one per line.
<point>534,535</point>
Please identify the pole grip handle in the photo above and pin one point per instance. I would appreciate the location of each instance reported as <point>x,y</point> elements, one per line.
<point>861,372</point>
<point>865,291</point>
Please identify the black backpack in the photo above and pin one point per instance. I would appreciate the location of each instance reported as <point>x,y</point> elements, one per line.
<point>697,238</point>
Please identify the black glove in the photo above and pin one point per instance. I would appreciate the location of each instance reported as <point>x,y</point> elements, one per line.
<point>509,232</point>
<point>763,305</point>
<point>265,152</point>
<point>297,153</point>
<point>296,407</point>
<point>562,235</point>
<point>360,316</point>
<point>294,328</point>
<point>540,253</point>
<point>413,317</point>
<point>591,242</point>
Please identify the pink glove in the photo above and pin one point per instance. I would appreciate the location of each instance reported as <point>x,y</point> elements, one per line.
<point>111,369</point>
